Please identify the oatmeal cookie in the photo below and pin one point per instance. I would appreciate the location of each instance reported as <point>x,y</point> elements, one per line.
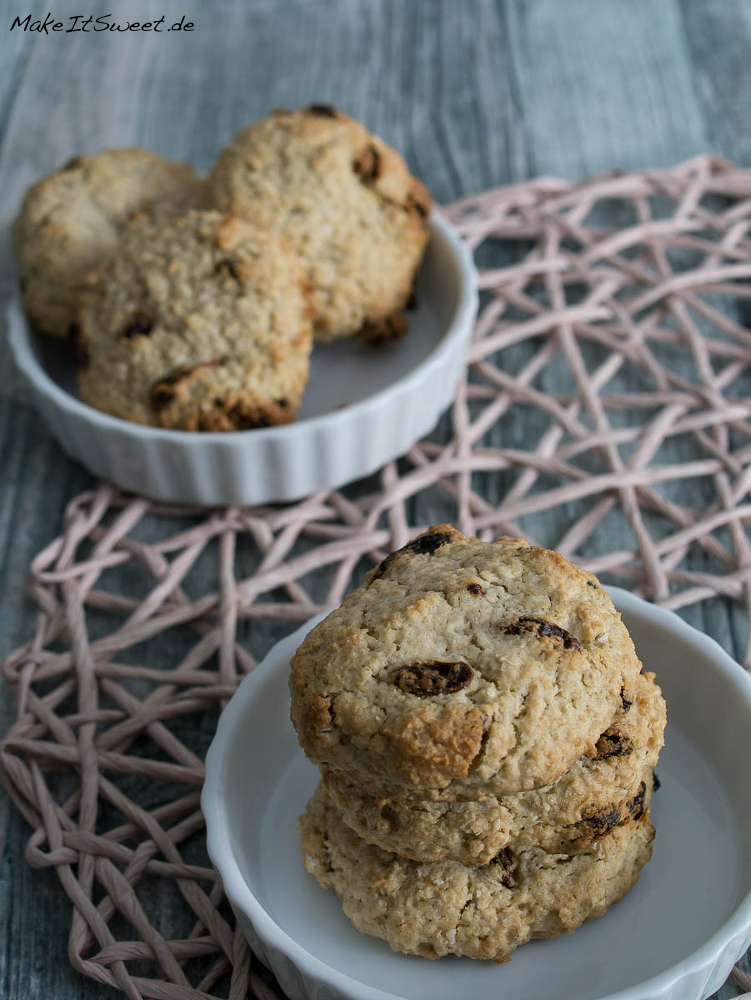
<point>462,669</point>
<point>73,219</point>
<point>346,201</point>
<point>198,323</point>
<point>444,908</point>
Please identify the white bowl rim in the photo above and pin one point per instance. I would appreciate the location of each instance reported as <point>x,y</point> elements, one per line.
<point>240,895</point>
<point>463,316</point>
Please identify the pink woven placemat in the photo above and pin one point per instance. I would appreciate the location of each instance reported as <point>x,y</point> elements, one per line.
<point>608,370</point>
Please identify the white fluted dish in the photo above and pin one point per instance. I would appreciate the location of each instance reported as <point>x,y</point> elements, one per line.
<point>362,407</point>
<point>675,936</point>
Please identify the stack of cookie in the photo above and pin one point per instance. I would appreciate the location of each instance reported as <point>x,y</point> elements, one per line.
<point>193,303</point>
<point>486,739</point>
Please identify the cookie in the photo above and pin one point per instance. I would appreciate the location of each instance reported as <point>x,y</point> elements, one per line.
<point>595,795</point>
<point>71,220</point>
<point>197,322</point>
<point>444,908</point>
<point>346,201</point>
<point>462,669</point>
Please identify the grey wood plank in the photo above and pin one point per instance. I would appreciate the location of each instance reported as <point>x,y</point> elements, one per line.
<point>15,49</point>
<point>718,36</point>
<point>605,86</point>
<point>24,465</point>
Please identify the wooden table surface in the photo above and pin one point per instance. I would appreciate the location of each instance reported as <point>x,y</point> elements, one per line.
<point>475,93</point>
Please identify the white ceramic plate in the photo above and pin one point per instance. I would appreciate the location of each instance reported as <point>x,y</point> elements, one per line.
<point>362,407</point>
<point>675,936</point>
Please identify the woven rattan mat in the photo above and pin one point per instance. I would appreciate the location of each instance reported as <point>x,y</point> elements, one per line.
<point>607,371</point>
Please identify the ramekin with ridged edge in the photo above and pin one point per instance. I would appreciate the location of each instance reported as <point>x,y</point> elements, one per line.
<point>674,936</point>
<point>363,406</point>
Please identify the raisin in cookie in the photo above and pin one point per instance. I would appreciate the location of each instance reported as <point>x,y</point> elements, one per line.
<point>71,220</point>
<point>197,323</point>
<point>595,795</point>
<point>348,204</point>
<point>444,908</point>
<point>461,669</point>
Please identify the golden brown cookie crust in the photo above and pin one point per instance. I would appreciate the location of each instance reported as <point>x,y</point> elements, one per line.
<point>196,323</point>
<point>462,669</point>
<point>345,199</point>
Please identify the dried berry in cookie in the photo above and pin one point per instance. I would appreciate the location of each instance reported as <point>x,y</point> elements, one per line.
<point>430,679</point>
<point>422,545</point>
